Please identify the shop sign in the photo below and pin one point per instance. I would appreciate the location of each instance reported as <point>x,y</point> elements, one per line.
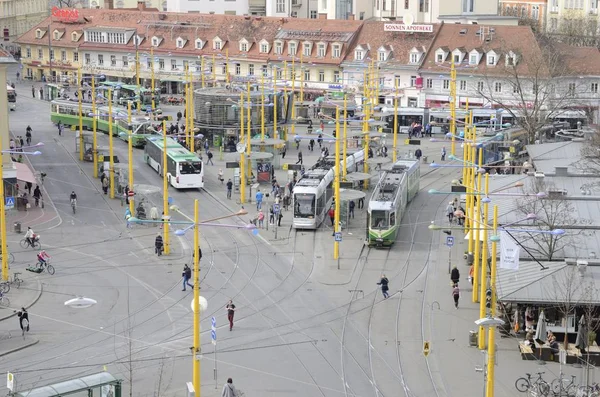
<point>335,86</point>
<point>400,27</point>
<point>65,15</point>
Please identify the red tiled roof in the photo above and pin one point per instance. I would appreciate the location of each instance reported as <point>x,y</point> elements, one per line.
<point>580,60</point>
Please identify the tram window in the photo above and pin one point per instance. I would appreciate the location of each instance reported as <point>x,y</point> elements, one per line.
<point>304,205</point>
<point>392,219</point>
<point>379,219</point>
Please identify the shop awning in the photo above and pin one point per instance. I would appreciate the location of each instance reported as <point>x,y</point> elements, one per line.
<point>24,173</point>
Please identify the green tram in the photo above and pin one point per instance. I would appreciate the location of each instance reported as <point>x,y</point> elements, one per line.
<point>395,189</point>
<point>122,93</point>
<point>68,113</point>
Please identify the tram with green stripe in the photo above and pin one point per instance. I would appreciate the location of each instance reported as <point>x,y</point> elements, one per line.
<point>122,93</point>
<point>67,112</point>
<point>392,194</point>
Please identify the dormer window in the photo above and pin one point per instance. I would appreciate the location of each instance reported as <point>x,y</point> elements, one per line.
<point>441,54</point>
<point>155,41</point>
<point>217,44</point>
<point>321,50</point>
<point>336,51</point>
<point>306,49</point>
<point>474,57</point>
<point>278,48</point>
<point>56,35</point>
<point>264,47</point>
<point>492,58</point>
<point>292,48</point>
<point>381,56</point>
<point>179,43</point>
<point>511,59</point>
<point>244,45</point>
<point>74,36</point>
<point>39,34</point>
<point>199,44</point>
<point>458,55</point>
<point>359,55</point>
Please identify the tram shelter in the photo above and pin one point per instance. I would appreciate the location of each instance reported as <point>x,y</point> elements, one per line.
<point>103,383</point>
<point>268,145</point>
<point>347,195</point>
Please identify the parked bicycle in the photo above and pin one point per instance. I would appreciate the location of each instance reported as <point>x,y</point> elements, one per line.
<point>525,384</point>
<point>4,287</point>
<point>11,258</point>
<point>564,387</point>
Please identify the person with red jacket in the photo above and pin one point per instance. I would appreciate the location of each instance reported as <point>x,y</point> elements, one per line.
<point>331,214</point>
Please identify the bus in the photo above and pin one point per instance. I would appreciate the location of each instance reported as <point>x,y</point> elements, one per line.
<point>122,93</point>
<point>184,168</point>
<point>12,97</point>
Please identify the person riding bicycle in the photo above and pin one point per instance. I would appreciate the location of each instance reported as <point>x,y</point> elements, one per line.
<point>41,257</point>
<point>30,236</point>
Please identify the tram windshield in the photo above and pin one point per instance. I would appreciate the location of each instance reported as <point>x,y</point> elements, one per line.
<point>304,205</point>
<point>379,220</point>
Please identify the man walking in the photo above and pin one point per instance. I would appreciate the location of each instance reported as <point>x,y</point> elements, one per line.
<point>209,157</point>
<point>230,313</point>
<point>443,154</point>
<point>351,209</point>
<point>299,158</point>
<point>331,214</point>
<point>60,127</point>
<point>259,199</point>
<point>187,275</point>
<point>23,320</point>
<point>384,286</point>
<point>229,188</point>
<point>33,91</point>
<point>158,245</point>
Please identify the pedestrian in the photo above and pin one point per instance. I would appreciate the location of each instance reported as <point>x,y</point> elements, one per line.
<point>351,209</point>
<point>361,203</point>
<point>455,275</point>
<point>311,145</point>
<point>443,153</point>
<point>320,140</point>
<point>28,186</point>
<point>105,185</point>
<point>158,245</point>
<point>229,389</point>
<point>18,76</point>
<point>271,216</point>
<point>37,195</point>
<point>331,214</point>
<point>261,219</point>
<point>41,93</point>
<point>33,91</point>
<point>230,307</point>
<point>283,151</point>
<point>471,270</point>
<point>206,146</point>
<point>450,211</point>
<point>220,175</point>
<point>229,188</point>
<point>179,115</point>
<point>209,157</point>
<point>154,214</point>
<point>259,199</point>
<point>455,295</point>
<point>279,218</point>
<point>28,135</point>
<point>23,320</point>
<point>418,154</point>
<point>187,275</point>
<point>384,286</point>
<point>59,125</point>
<point>299,158</point>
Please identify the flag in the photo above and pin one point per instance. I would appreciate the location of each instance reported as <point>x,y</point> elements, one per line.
<point>509,252</point>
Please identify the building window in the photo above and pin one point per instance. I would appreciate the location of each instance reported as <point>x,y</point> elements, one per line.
<point>292,49</point>
<point>279,48</point>
<point>313,14</point>
<point>324,4</point>
<point>491,60</point>
<point>321,76</point>
<point>358,55</point>
<point>306,49</point>
<point>265,70</point>
<point>198,44</point>
<point>361,16</point>
<point>280,5</point>
<point>480,86</point>
<point>439,58</point>
<point>264,48</point>
<point>217,44</point>
<point>336,76</point>
<point>413,81</point>
<point>337,51</point>
<point>516,89</point>
<point>155,42</point>
<point>535,12</point>
<point>429,83</point>
<point>571,91</point>
<point>238,69</point>
<point>148,63</point>
<point>414,57</point>
<point>161,64</point>
<point>594,88</point>
<point>179,43</point>
<point>468,5</point>
<point>125,61</point>
<point>307,75</point>
<point>251,69</point>
<point>321,50</point>
<point>381,56</point>
<point>473,59</point>
<point>75,57</point>
<point>446,84</point>
<point>100,59</point>
<point>28,52</point>
<point>63,56</point>
<point>279,74</point>
<point>463,85</point>
<point>224,69</point>
<point>498,87</point>
<point>173,64</point>
<point>244,47</point>
<point>87,58</point>
<point>423,5</point>
<point>113,60</point>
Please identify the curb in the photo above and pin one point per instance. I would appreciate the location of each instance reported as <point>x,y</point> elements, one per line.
<point>7,352</point>
<point>33,302</point>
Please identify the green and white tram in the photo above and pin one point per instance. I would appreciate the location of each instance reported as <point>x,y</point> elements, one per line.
<point>395,189</point>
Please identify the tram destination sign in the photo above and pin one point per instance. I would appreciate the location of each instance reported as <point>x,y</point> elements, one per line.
<point>401,27</point>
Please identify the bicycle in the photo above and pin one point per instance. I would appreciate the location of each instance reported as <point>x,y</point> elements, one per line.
<point>4,287</point>
<point>11,258</point>
<point>35,243</point>
<point>563,386</point>
<point>74,205</point>
<point>16,280</point>
<point>4,301</point>
<point>525,384</point>
<point>46,266</point>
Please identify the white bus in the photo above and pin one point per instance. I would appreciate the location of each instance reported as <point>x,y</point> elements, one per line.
<point>12,97</point>
<point>184,169</point>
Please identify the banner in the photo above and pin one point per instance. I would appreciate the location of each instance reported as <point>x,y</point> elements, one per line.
<point>509,252</point>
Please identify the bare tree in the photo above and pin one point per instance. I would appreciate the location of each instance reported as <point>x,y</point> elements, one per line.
<point>554,212</point>
<point>567,287</point>
<point>533,98</point>
<point>68,3</point>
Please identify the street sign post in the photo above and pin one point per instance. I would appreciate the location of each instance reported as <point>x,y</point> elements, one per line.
<point>338,237</point>
<point>10,381</point>
<point>9,203</point>
<point>426,348</point>
<point>449,241</point>
<point>276,208</point>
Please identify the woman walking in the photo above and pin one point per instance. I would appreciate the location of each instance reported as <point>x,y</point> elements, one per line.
<point>384,286</point>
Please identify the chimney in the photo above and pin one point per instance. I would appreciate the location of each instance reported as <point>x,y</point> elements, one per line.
<point>561,171</point>
<point>322,15</point>
<point>352,17</point>
<point>141,5</point>
<point>109,4</point>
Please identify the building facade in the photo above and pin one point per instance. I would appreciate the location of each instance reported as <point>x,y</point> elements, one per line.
<point>158,4</point>
<point>572,17</point>
<point>533,10</point>
<point>19,16</point>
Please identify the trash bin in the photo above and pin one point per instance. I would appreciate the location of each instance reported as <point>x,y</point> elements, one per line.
<point>17,227</point>
<point>472,338</point>
<point>424,159</point>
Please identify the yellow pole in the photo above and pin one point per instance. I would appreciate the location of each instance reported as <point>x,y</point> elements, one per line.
<point>262,108</point>
<point>395,121</point>
<point>152,93</point>
<point>94,129</point>
<point>190,114</point>
<point>81,148</point>
<point>492,330</point>
<point>275,106</point>
<point>484,272</point>
<point>344,142</point>
<point>137,75</point>
<point>196,363</point>
<point>5,273</point>
<point>227,65</point>
<point>130,153</point>
<point>336,226</point>
<point>249,133</point>
<point>110,147</point>
<point>129,112</point>
<point>285,98</point>
<point>475,231</point>
<point>470,210</point>
<point>165,191</point>
<point>293,99</point>
<point>242,155</point>
<point>202,69</point>
<point>187,102</point>
<point>301,81</point>
<point>453,106</point>
<point>366,137</point>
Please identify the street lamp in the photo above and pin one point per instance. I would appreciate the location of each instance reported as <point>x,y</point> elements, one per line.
<point>80,302</point>
<point>489,322</point>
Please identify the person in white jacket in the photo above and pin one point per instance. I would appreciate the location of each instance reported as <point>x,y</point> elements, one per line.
<point>229,389</point>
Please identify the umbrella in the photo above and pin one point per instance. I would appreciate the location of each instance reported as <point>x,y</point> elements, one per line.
<point>582,337</point>
<point>540,330</point>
